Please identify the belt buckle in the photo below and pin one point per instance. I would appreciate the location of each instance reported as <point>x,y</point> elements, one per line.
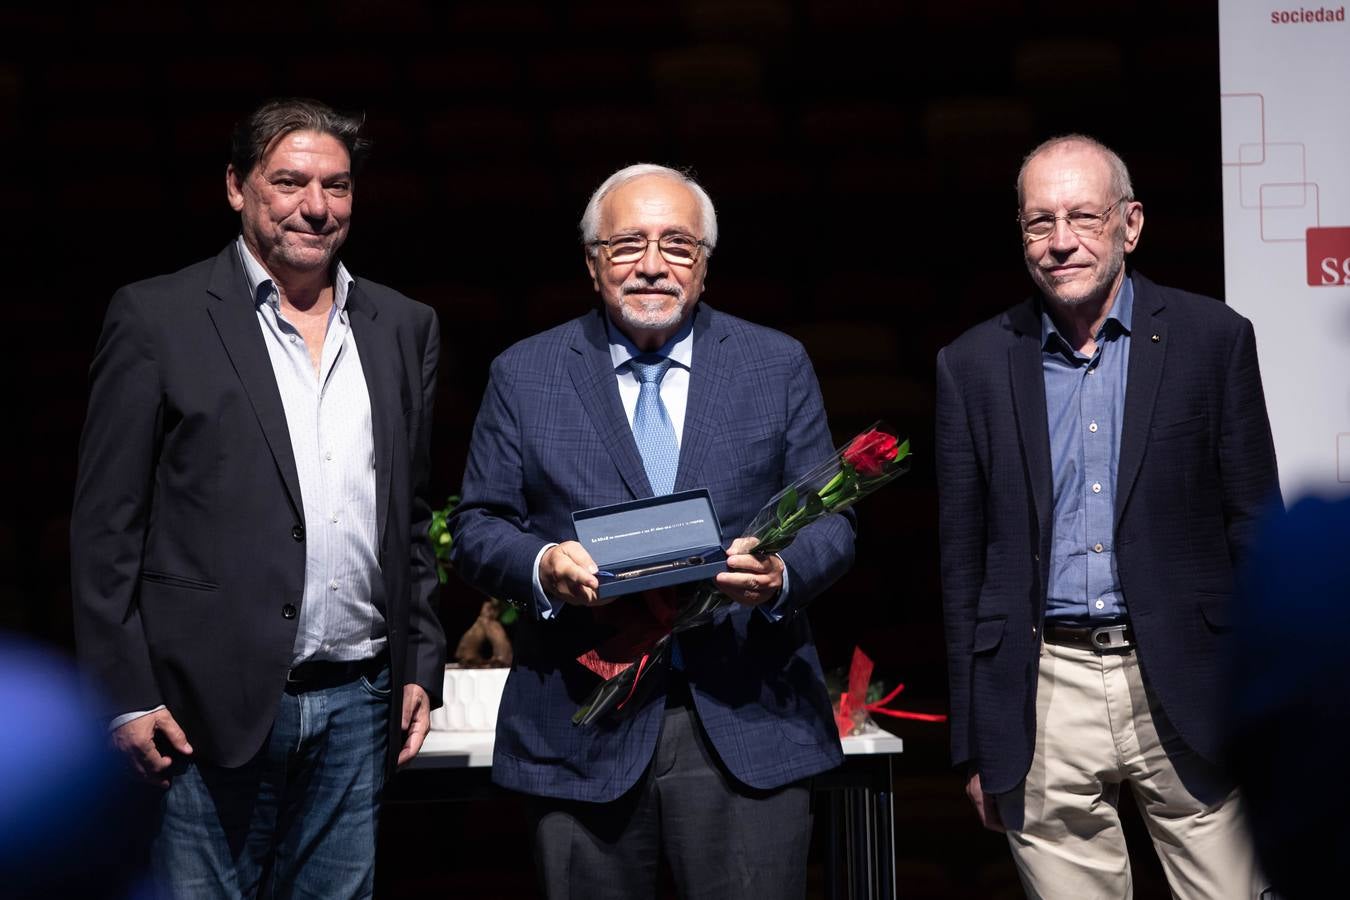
<point>291,673</point>
<point>1109,637</point>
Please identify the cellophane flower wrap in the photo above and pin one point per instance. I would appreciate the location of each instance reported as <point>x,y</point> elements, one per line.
<point>871,459</point>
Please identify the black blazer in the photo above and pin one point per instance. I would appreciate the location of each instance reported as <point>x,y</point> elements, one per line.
<point>1197,465</point>
<point>187,537</point>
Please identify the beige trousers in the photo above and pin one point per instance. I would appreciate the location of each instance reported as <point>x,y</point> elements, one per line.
<point>1096,728</point>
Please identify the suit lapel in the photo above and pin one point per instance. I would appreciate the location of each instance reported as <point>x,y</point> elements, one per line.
<point>379,364</point>
<point>708,382</point>
<point>236,322</point>
<point>592,373</point>
<point>1141,389</point>
<point>1028,390</point>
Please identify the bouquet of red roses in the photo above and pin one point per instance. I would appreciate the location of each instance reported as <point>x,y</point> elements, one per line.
<point>864,464</point>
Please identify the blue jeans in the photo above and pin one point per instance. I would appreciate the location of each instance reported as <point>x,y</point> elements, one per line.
<point>297,820</point>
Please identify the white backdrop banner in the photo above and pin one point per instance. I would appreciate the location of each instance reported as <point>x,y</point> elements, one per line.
<point>1284,80</point>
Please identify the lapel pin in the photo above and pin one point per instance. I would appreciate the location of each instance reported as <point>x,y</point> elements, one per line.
<point>1156,339</point>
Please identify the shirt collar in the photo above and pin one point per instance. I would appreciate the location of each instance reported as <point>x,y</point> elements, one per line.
<point>680,348</point>
<point>1122,313</point>
<point>264,290</point>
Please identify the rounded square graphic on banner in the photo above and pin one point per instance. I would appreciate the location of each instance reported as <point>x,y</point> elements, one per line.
<point>1286,213</point>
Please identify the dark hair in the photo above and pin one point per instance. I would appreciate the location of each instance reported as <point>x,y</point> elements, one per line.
<point>255,134</point>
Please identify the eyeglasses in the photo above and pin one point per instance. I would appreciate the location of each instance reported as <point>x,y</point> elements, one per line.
<point>676,249</point>
<point>1080,222</point>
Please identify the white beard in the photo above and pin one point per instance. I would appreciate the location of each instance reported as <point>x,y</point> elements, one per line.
<point>653,316</point>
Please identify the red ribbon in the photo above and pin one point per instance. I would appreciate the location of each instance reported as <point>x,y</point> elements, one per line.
<point>642,667</point>
<point>629,628</point>
<point>605,668</point>
<point>855,698</point>
<point>635,623</point>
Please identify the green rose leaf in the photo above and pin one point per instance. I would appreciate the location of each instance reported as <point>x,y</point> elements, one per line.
<point>814,506</point>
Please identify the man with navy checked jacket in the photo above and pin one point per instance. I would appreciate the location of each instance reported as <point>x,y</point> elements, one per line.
<point>710,769</point>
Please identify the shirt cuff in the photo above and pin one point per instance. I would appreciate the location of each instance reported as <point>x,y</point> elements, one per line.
<point>543,603</point>
<point>777,611</point>
<point>123,719</point>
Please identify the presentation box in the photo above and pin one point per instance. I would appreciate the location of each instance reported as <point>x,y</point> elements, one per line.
<point>652,543</point>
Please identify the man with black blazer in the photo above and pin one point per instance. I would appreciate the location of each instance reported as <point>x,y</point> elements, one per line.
<point>251,568</point>
<point>1103,452</point>
<point>655,392</point>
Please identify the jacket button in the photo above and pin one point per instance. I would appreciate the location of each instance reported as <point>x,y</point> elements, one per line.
<point>288,611</point>
<point>298,532</point>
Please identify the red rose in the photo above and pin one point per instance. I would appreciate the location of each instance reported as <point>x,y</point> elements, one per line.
<point>869,452</point>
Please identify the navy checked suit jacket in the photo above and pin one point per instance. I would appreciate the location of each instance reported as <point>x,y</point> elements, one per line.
<point>551,438</point>
<point>1197,467</point>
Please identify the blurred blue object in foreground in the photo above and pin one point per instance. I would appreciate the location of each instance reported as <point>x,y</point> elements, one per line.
<point>1289,715</point>
<point>69,818</point>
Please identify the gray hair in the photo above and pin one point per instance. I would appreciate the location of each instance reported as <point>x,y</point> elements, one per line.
<point>1120,175</point>
<point>590,219</point>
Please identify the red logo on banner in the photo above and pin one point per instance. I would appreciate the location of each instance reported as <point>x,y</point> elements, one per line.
<point>1328,256</point>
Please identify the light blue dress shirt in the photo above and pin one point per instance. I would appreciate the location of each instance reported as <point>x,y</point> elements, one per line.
<point>1085,406</point>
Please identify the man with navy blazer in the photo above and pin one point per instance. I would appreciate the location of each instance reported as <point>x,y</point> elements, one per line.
<point>1103,455</point>
<point>652,393</point>
<point>252,572</point>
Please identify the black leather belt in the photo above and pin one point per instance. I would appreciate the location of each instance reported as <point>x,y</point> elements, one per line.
<point>1101,638</point>
<point>313,674</point>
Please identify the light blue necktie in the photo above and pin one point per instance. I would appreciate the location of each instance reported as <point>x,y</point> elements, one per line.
<point>652,430</point>
<point>655,437</point>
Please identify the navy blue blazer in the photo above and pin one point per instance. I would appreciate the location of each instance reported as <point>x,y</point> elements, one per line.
<point>1197,467</point>
<point>187,537</point>
<point>551,438</point>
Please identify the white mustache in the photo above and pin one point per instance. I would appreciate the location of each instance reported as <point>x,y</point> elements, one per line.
<point>653,287</point>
